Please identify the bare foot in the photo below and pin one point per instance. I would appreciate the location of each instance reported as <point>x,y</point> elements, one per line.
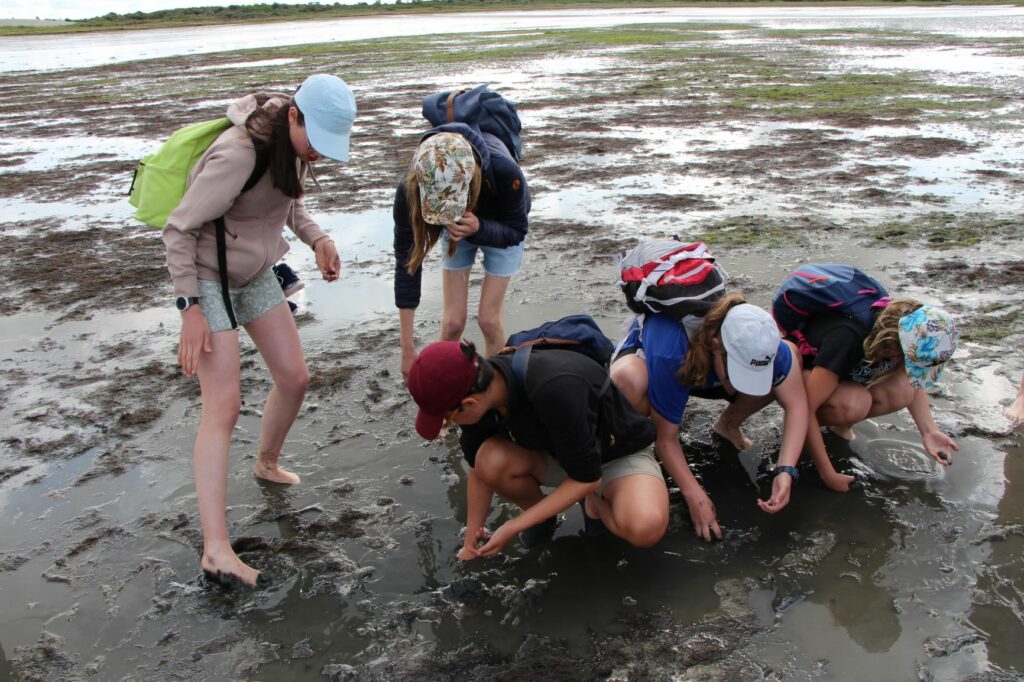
<point>844,432</point>
<point>734,436</point>
<point>267,469</point>
<point>840,482</point>
<point>225,567</point>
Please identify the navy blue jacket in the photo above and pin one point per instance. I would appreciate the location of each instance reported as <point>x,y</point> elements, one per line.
<point>502,208</point>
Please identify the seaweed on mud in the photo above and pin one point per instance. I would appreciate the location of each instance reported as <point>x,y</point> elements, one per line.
<point>664,202</point>
<point>74,271</point>
<point>944,231</point>
<point>761,231</point>
<point>918,146</point>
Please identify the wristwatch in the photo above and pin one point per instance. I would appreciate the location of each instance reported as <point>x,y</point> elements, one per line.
<point>784,469</point>
<point>183,303</point>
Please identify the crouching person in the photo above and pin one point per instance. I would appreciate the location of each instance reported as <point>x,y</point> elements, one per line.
<point>560,424</point>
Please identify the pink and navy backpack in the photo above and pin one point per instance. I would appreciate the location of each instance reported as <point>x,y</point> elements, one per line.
<point>817,288</point>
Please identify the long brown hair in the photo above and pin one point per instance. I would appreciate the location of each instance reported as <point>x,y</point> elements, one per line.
<point>425,235</point>
<point>271,135</point>
<point>886,328</point>
<point>695,368</point>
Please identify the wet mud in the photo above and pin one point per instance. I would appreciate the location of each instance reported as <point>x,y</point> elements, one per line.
<point>634,133</point>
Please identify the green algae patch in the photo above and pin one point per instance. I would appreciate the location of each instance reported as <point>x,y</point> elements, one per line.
<point>751,231</point>
<point>945,231</point>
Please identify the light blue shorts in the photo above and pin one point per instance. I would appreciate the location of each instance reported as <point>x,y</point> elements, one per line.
<point>249,302</point>
<point>497,262</point>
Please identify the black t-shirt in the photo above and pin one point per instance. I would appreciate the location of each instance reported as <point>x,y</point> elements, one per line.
<point>840,343</point>
<point>569,409</point>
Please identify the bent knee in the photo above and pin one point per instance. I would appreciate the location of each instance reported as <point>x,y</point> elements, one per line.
<point>644,528</point>
<point>851,407</point>
<point>493,460</point>
<point>295,382</point>
<point>452,327</point>
<point>490,325</point>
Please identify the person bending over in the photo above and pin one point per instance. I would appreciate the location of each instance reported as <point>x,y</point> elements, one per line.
<point>856,374</point>
<point>736,353</point>
<point>464,190</point>
<point>568,428</point>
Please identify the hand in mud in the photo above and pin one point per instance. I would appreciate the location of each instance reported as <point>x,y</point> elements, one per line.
<point>702,512</point>
<point>469,550</point>
<point>195,339</point>
<point>781,486</point>
<point>466,226</point>
<point>327,260</point>
<point>497,541</point>
<point>940,447</point>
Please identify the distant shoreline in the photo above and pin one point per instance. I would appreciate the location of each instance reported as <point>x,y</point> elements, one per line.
<point>265,13</point>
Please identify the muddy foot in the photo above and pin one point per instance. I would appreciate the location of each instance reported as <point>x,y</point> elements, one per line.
<point>844,432</point>
<point>229,572</point>
<point>841,483</point>
<point>267,469</point>
<point>734,436</point>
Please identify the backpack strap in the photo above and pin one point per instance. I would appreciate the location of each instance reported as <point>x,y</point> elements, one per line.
<point>259,169</point>
<point>450,105</point>
<point>521,361</point>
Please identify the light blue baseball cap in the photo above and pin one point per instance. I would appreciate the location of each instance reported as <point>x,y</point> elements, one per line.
<point>328,109</point>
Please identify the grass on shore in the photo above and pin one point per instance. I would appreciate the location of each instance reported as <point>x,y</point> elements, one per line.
<point>264,13</point>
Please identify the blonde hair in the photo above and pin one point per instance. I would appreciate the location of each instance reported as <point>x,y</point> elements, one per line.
<point>886,328</point>
<point>425,235</point>
<point>695,368</point>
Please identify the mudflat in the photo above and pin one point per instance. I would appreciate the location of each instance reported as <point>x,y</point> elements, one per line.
<point>898,151</point>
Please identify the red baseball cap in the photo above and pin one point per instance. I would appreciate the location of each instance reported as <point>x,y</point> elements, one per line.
<point>439,379</point>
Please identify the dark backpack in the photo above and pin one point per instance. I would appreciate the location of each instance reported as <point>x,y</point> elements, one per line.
<point>817,288</point>
<point>481,109</point>
<point>668,276</point>
<point>575,332</point>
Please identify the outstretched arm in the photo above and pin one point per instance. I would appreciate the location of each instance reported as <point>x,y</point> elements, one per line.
<point>819,384</point>
<point>793,399</point>
<point>936,443</point>
<point>568,493</point>
<point>478,504</point>
<point>670,451</point>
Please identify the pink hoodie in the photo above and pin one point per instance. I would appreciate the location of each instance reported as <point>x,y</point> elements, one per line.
<point>254,220</point>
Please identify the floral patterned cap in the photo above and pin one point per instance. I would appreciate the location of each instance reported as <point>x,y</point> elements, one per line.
<point>928,337</point>
<point>444,169</point>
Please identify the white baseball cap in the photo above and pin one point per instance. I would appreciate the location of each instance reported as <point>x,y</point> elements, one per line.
<point>751,339</point>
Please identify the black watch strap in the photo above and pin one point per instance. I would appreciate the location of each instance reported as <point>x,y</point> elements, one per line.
<point>185,302</point>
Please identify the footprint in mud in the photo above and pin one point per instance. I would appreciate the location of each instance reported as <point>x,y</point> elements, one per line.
<point>898,459</point>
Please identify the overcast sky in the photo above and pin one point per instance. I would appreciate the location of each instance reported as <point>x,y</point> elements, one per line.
<point>86,9</point>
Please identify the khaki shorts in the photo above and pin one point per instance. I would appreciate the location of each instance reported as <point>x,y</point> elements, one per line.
<point>249,302</point>
<point>642,462</point>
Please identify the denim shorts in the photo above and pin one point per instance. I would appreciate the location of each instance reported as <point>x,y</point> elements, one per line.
<point>497,262</point>
<point>642,462</point>
<point>249,302</point>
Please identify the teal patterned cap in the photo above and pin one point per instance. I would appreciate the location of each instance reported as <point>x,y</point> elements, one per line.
<point>444,169</point>
<point>928,337</point>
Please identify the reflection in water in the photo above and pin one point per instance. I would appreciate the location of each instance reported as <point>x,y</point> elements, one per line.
<point>999,598</point>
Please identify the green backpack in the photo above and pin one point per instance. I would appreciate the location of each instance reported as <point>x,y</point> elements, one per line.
<point>161,179</point>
